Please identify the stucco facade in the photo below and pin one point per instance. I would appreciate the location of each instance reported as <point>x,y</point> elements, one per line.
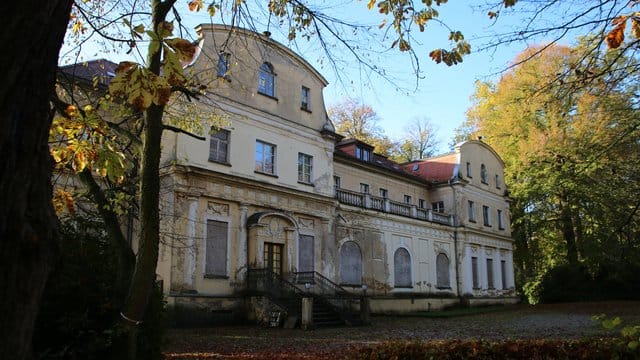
<point>276,188</point>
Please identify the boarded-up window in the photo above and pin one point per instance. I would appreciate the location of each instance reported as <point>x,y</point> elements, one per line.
<point>490,283</point>
<point>216,248</point>
<point>402,268</point>
<point>305,253</point>
<point>442,271</point>
<point>503,273</point>
<point>474,272</point>
<point>350,264</point>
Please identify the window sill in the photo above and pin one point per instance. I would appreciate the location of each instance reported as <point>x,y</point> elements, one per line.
<point>403,287</point>
<point>487,225</point>
<point>305,110</point>
<point>266,174</point>
<point>220,162</point>
<point>500,228</point>
<point>484,182</point>
<point>267,95</point>
<point>222,277</point>
<point>306,183</point>
<point>472,221</point>
<point>443,287</point>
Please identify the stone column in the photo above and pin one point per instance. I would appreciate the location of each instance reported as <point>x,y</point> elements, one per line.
<point>497,264</point>
<point>467,273</point>
<point>306,322</point>
<point>243,255</point>
<point>482,268</point>
<point>191,246</point>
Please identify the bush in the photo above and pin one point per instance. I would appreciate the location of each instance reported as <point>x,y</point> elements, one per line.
<point>479,349</point>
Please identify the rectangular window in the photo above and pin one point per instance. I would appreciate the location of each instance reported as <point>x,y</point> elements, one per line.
<point>265,157</point>
<point>336,182</point>
<point>500,223</point>
<point>474,272</point>
<point>219,146</point>
<point>384,193</point>
<point>223,64</point>
<point>438,206</point>
<point>304,99</point>
<point>468,169</point>
<point>503,272</point>
<point>363,154</point>
<point>216,249</point>
<point>421,203</point>
<point>472,211</point>
<point>266,80</point>
<point>486,215</point>
<point>305,253</point>
<point>497,182</point>
<point>305,166</point>
<point>407,199</point>
<point>490,284</point>
<point>364,188</point>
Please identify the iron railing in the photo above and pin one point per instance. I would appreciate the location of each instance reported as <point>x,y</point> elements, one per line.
<point>277,288</point>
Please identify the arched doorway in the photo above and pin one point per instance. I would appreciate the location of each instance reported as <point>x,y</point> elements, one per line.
<point>272,242</point>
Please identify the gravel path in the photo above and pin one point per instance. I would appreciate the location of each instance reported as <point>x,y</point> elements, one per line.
<point>514,322</point>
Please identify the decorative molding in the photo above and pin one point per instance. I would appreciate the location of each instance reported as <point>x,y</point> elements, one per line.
<point>217,208</point>
<point>306,223</point>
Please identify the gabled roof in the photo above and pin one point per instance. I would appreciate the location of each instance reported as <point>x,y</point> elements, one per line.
<point>437,169</point>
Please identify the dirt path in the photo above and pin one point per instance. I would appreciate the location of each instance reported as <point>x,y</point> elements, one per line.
<point>515,322</point>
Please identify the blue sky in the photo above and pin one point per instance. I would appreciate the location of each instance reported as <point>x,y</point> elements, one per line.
<point>442,95</point>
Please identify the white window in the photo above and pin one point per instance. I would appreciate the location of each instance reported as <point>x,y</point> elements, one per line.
<point>483,174</point>
<point>384,193</point>
<point>402,268</point>
<point>442,271</point>
<point>219,146</point>
<point>471,211</point>
<point>265,157</point>
<point>216,249</point>
<point>438,206</point>
<point>305,166</point>
<point>421,203</point>
<point>364,188</point>
<point>223,64</point>
<point>305,103</point>
<point>407,199</point>
<point>266,80</point>
<point>490,283</point>
<point>336,182</point>
<point>486,215</point>
<point>350,264</point>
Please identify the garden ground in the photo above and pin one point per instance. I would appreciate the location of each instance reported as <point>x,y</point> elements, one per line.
<point>553,321</point>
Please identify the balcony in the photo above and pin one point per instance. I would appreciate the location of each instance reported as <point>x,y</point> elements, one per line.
<point>368,201</point>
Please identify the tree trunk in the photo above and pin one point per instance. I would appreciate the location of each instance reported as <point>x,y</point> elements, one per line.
<point>568,233</point>
<point>32,35</point>
<point>147,258</point>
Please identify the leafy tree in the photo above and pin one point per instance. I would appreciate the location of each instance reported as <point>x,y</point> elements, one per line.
<point>359,121</point>
<point>568,146</point>
<point>419,141</point>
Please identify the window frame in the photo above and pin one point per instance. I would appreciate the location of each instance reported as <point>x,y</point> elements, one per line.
<point>261,167</point>
<point>500,220</point>
<point>219,141</point>
<point>471,211</point>
<point>438,206</point>
<point>475,275</point>
<point>305,168</point>
<point>205,270</point>
<point>365,188</point>
<point>447,272</point>
<point>483,174</point>
<point>363,154</point>
<point>486,215</point>
<point>491,283</point>
<point>337,182</point>
<point>396,269</point>
<point>408,199</point>
<point>305,98</point>
<point>469,170</point>
<point>267,80</point>
<point>498,186</point>
<point>223,65</point>
<point>384,193</point>
<point>421,203</point>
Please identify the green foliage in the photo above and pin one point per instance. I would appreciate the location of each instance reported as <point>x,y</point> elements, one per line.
<point>480,349</point>
<point>629,334</point>
<point>80,314</point>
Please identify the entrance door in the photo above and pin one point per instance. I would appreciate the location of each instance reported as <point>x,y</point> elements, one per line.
<point>273,257</point>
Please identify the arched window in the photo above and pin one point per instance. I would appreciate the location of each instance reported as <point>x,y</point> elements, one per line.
<point>483,173</point>
<point>402,268</point>
<point>266,80</point>
<point>442,271</point>
<point>350,264</point>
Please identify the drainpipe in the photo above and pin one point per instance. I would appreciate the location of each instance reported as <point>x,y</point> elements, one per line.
<point>455,238</point>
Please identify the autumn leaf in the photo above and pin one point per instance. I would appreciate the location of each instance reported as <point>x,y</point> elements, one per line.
<point>616,36</point>
<point>635,28</point>
<point>196,5</point>
<point>184,48</point>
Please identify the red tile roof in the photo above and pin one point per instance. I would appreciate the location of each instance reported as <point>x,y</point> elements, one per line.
<point>438,169</point>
